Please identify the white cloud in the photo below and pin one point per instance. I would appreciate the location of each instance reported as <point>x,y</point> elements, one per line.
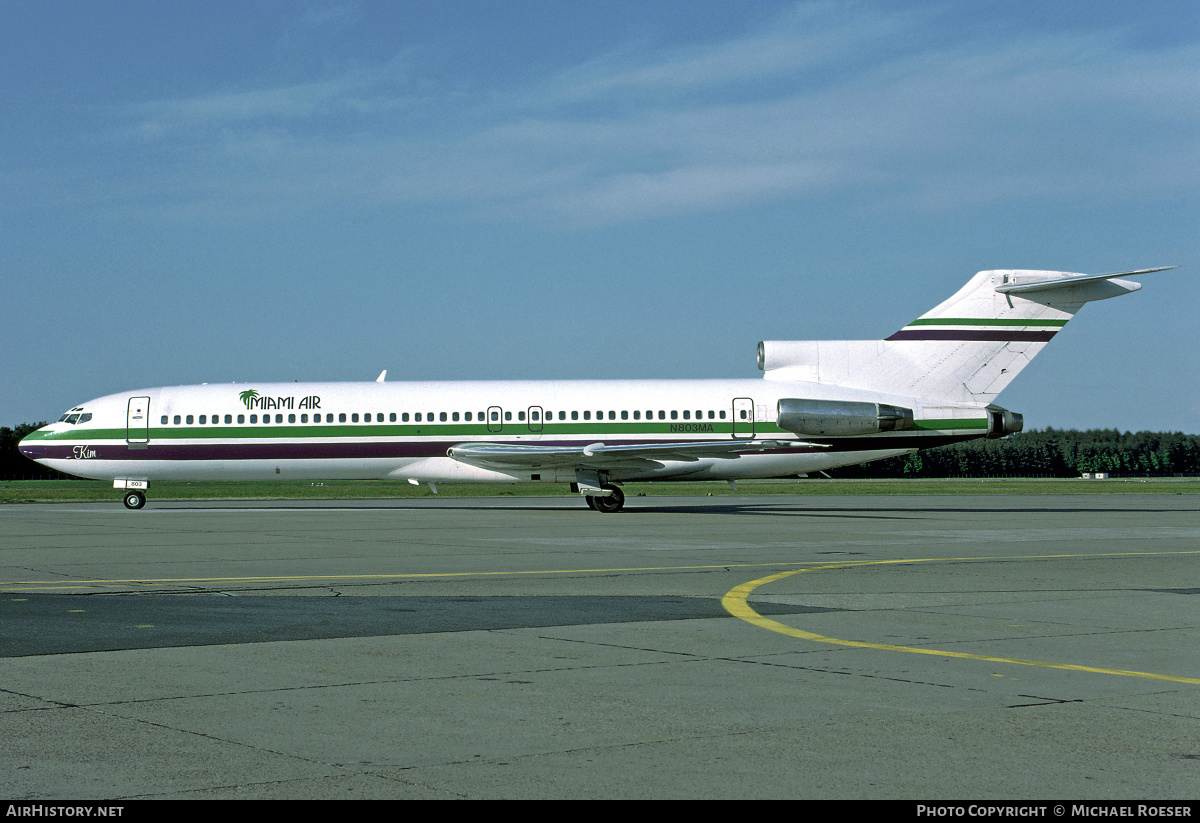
<point>823,100</point>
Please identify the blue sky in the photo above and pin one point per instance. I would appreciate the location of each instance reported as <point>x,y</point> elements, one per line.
<point>253,191</point>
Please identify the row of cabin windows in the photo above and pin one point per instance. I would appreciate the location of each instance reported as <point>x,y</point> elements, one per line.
<point>535,416</point>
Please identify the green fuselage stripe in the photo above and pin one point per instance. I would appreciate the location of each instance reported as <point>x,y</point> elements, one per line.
<point>985,321</point>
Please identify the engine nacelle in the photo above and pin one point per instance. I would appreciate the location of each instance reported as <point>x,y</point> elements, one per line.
<point>1002,422</point>
<point>841,418</point>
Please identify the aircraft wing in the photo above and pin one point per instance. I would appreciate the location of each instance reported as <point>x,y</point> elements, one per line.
<point>601,457</point>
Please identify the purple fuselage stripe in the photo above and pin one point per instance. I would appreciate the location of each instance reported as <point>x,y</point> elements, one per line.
<point>997,335</point>
<point>400,449</point>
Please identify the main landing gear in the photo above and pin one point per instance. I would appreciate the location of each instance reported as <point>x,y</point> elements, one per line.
<point>612,503</point>
<point>134,500</point>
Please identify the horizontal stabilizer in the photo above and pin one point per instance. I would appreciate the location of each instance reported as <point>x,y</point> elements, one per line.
<point>1023,286</point>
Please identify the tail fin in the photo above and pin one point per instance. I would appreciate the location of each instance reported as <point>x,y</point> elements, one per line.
<point>964,351</point>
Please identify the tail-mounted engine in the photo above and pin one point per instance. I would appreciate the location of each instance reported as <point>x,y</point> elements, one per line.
<point>841,418</point>
<point>1002,422</point>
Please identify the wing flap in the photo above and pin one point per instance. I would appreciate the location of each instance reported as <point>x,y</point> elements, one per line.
<point>604,457</point>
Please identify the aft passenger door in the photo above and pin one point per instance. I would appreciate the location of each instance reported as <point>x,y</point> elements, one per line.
<point>743,418</point>
<point>137,422</point>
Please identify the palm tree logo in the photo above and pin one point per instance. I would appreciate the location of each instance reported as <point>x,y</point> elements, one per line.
<point>247,396</point>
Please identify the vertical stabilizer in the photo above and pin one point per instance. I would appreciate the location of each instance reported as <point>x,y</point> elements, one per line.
<point>965,350</point>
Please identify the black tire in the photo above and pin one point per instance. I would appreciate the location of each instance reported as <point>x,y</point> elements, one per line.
<point>134,500</point>
<point>591,501</point>
<point>613,503</point>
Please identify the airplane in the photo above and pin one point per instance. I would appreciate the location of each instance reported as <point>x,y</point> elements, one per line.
<point>819,404</point>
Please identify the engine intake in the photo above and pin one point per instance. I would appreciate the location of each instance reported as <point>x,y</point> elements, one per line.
<point>841,418</point>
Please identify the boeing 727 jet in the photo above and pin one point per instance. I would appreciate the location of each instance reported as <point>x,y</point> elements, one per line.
<point>820,404</point>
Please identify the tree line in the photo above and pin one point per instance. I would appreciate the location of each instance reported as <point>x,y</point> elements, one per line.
<point>1045,453</point>
<point>16,466</point>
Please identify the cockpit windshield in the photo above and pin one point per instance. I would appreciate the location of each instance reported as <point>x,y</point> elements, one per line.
<point>74,416</point>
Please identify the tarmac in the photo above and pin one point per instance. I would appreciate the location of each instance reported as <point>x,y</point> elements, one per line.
<point>909,647</point>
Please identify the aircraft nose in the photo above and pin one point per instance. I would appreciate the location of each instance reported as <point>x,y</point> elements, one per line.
<point>32,449</point>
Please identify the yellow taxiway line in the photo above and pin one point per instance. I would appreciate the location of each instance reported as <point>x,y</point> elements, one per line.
<point>736,603</point>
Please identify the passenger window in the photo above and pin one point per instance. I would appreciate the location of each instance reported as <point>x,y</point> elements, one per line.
<point>392,417</point>
<point>417,417</point>
<point>354,417</point>
<point>253,418</point>
<point>612,415</point>
<point>291,418</point>
<point>404,417</point>
<point>574,415</point>
<point>241,419</point>
<point>722,414</point>
<point>468,417</point>
<point>508,415</point>
<point>662,415</point>
<point>520,415</point>
<point>454,417</point>
<point>442,417</point>
<point>587,415</point>
<point>279,418</point>
<point>637,414</point>
<point>203,419</point>
<point>687,415</point>
<point>341,417</point>
<point>303,418</point>
<point>624,415</point>
<point>164,420</point>
<point>674,415</point>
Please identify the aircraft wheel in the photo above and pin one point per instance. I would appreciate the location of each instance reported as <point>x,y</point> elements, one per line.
<point>591,501</point>
<point>134,500</point>
<point>612,503</point>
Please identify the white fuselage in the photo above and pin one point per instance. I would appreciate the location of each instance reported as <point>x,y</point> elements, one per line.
<point>325,431</point>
